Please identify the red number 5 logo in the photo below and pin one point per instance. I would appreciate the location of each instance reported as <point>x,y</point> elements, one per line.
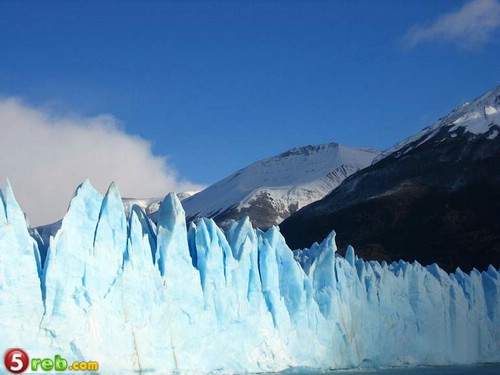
<point>16,361</point>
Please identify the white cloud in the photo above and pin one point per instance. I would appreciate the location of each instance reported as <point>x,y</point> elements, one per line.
<point>470,27</point>
<point>47,157</point>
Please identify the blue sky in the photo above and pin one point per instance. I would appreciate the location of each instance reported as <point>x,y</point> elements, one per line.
<point>215,86</point>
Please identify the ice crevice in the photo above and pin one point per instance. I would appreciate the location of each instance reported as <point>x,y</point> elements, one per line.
<point>138,296</point>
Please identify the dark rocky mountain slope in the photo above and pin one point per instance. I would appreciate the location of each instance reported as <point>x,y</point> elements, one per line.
<point>434,197</point>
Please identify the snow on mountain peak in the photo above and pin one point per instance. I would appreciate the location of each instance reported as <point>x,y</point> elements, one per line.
<point>475,117</point>
<point>308,150</point>
<point>481,116</point>
<point>286,182</point>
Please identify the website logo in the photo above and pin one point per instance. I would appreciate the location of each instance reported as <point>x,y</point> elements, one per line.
<point>17,361</point>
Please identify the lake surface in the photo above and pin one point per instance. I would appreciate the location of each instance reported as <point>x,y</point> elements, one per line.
<point>482,369</point>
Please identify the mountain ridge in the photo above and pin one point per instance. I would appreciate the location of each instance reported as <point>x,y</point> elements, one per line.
<point>440,186</point>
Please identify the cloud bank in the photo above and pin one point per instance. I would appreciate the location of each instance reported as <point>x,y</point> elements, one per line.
<point>470,27</point>
<point>47,157</point>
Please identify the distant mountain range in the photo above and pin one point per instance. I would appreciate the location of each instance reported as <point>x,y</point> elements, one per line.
<point>435,197</point>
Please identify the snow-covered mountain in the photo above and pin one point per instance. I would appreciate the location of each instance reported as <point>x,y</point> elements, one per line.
<point>432,197</point>
<point>472,119</point>
<point>136,298</point>
<point>269,190</point>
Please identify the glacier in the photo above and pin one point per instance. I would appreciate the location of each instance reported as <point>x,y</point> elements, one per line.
<point>143,297</point>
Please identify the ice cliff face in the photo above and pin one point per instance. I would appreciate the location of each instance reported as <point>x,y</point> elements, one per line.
<point>138,297</point>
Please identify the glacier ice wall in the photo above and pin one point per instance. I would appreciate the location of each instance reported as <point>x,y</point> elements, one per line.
<point>145,297</point>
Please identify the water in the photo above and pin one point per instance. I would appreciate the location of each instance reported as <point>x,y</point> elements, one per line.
<point>482,369</point>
